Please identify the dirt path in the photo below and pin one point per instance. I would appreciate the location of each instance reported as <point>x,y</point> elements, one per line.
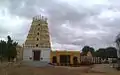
<point>102,69</point>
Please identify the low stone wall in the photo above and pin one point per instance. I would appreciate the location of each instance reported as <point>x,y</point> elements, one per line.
<point>93,60</point>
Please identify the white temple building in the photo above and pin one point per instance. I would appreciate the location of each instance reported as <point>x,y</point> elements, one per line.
<point>37,46</point>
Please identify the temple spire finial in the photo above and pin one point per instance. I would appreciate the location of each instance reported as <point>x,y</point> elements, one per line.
<point>39,17</point>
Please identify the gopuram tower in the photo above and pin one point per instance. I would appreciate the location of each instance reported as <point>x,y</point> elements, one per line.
<point>37,46</point>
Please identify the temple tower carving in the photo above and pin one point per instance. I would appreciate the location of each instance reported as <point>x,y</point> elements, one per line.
<point>38,36</point>
<point>37,45</point>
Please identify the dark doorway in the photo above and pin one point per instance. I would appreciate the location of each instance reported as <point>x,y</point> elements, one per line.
<point>54,59</point>
<point>65,59</point>
<point>75,60</point>
<point>36,55</point>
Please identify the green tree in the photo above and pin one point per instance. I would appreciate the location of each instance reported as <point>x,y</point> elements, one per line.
<point>101,53</point>
<point>8,49</point>
<point>104,53</point>
<point>111,52</point>
<point>11,46</point>
<point>3,49</point>
<point>92,50</point>
<point>86,49</point>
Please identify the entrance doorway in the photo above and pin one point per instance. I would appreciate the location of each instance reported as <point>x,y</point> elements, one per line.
<point>75,60</point>
<point>36,55</point>
<point>65,59</point>
<point>54,60</point>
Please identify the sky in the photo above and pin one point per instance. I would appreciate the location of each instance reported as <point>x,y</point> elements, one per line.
<point>72,23</point>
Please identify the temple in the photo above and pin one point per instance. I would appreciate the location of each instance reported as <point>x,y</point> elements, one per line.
<point>37,45</point>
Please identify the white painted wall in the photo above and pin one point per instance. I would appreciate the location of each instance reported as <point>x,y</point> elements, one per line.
<point>45,55</point>
<point>28,52</point>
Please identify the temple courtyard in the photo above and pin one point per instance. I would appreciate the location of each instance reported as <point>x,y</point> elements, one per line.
<point>18,69</point>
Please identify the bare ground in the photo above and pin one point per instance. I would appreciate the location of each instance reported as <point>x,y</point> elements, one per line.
<point>102,69</point>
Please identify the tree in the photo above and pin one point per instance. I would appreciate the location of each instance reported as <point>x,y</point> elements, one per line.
<point>111,52</point>
<point>101,53</point>
<point>3,49</point>
<point>104,53</point>
<point>117,41</point>
<point>8,49</point>
<point>86,49</point>
<point>11,48</point>
<point>118,50</point>
<point>92,50</point>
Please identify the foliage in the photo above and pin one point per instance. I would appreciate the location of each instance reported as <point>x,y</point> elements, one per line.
<point>8,49</point>
<point>86,49</point>
<point>109,52</point>
<point>104,53</point>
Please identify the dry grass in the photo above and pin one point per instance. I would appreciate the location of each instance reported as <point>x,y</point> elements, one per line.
<point>25,70</point>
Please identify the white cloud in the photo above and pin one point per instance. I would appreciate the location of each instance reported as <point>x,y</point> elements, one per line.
<point>86,3</point>
<point>74,23</point>
<point>11,21</point>
<point>109,14</point>
<point>3,39</point>
<point>12,24</point>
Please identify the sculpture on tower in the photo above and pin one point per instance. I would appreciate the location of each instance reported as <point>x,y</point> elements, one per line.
<point>36,18</point>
